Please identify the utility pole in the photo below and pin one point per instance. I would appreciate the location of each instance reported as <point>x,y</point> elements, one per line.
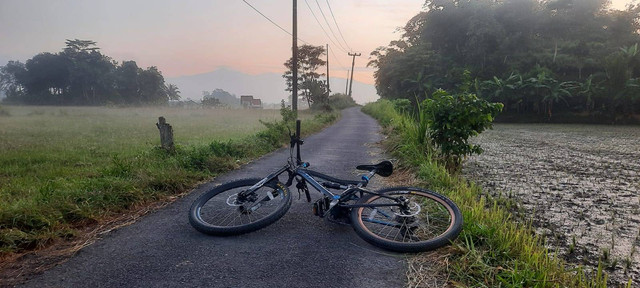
<point>352,65</point>
<point>294,96</point>
<point>346,88</point>
<point>328,87</point>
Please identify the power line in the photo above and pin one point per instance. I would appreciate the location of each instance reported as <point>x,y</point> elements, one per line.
<point>318,21</point>
<point>289,33</point>
<point>337,59</point>
<point>272,22</point>
<point>337,26</point>
<point>329,25</point>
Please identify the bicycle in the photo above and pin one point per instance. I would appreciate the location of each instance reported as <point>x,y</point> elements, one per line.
<point>401,219</point>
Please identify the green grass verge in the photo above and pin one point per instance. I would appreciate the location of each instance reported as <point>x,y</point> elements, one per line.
<point>493,250</point>
<point>64,168</point>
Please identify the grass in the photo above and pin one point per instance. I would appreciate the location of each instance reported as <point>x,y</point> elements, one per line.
<point>63,168</point>
<point>493,250</point>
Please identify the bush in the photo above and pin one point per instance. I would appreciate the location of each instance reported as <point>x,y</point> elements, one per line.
<point>453,119</point>
<point>341,101</point>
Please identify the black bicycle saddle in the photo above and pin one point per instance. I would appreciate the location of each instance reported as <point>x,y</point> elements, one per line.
<point>384,168</point>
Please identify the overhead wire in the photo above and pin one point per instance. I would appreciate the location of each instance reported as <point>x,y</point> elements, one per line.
<point>274,23</point>
<point>323,30</point>
<point>337,26</point>
<point>329,25</point>
<point>335,57</point>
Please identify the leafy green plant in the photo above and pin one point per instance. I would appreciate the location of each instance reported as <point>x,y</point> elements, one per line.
<point>453,119</point>
<point>401,105</point>
<point>288,115</point>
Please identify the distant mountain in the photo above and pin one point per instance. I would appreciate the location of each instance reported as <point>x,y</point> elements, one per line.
<point>268,86</point>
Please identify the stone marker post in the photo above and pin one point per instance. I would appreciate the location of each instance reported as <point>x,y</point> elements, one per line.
<point>166,134</point>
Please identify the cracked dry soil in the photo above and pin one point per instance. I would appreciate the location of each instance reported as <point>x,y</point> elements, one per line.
<point>578,184</point>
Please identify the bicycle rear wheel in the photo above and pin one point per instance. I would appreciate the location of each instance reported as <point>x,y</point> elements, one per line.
<point>220,212</point>
<point>428,221</point>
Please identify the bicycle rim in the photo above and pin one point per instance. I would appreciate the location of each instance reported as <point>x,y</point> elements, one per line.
<point>218,212</point>
<point>430,220</point>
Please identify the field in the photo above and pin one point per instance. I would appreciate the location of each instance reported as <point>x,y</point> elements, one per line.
<point>62,168</point>
<point>578,185</point>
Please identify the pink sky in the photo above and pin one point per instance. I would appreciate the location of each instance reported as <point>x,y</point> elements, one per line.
<point>197,36</point>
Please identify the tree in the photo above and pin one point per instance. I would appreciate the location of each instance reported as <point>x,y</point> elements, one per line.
<point>152,86</point>
<point>91,74</point>
<point>553,46</point>
<point>223,96</point>
<point>11,79</point>
<point>211,102</point>
<point>310,87</point>
<point>81,75</point>
<point>47,79</point>
<point>172,92</point>
<point>126,82</point>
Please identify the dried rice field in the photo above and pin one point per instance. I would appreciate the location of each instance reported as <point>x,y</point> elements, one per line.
<point>578,184</point>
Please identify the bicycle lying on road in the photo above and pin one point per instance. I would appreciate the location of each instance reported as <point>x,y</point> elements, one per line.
<point>401,219</point>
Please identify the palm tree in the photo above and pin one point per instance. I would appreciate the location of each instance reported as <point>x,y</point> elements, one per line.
<point>172,92</point>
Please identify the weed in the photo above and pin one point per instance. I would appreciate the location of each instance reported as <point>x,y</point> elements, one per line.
<point>572,246</point>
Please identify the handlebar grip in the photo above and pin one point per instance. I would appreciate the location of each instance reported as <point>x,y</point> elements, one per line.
<point>298,129</point>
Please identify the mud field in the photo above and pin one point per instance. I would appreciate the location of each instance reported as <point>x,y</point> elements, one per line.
<point>578,184</point>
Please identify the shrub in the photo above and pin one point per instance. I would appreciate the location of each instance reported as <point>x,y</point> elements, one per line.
<point>341,101</point>
<point>453,119</point>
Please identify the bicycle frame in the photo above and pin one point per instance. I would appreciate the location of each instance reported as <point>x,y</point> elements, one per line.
<point>298,168</point>
<point>403,219</point>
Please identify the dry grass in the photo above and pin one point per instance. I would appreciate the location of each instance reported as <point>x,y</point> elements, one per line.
<point>429,270</point>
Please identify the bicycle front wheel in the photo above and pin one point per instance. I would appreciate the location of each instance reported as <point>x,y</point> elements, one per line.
<point>221,212</point>
<point>427,221</point>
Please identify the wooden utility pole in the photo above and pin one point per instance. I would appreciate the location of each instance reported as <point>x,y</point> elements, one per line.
<point>352,65</point>
<point>328,87</point>
<point>294,96</point>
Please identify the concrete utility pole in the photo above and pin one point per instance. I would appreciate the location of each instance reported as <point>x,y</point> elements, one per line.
<point>352,65</point>
<point>294,68</point>
<point>346,88</point>
<point>328,87</point>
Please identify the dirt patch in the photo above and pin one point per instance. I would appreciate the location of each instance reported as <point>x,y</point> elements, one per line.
<point>578,184</point>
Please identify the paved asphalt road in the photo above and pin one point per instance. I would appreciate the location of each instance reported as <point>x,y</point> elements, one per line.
<point>300,250</point>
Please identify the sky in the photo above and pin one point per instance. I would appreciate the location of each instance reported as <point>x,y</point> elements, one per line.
<point>191,37</point>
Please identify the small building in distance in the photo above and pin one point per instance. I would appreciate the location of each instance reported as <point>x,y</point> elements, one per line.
<point>247,101</point>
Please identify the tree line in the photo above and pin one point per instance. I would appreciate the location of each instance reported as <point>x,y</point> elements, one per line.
<point>535,57</point>
<point>81,75</point>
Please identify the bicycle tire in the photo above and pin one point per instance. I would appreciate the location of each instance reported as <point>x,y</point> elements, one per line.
<point>437,220</point>
<point>216,213</point>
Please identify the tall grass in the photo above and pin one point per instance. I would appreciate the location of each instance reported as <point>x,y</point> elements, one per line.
<point>494,250</point>
<point>65,168</point>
